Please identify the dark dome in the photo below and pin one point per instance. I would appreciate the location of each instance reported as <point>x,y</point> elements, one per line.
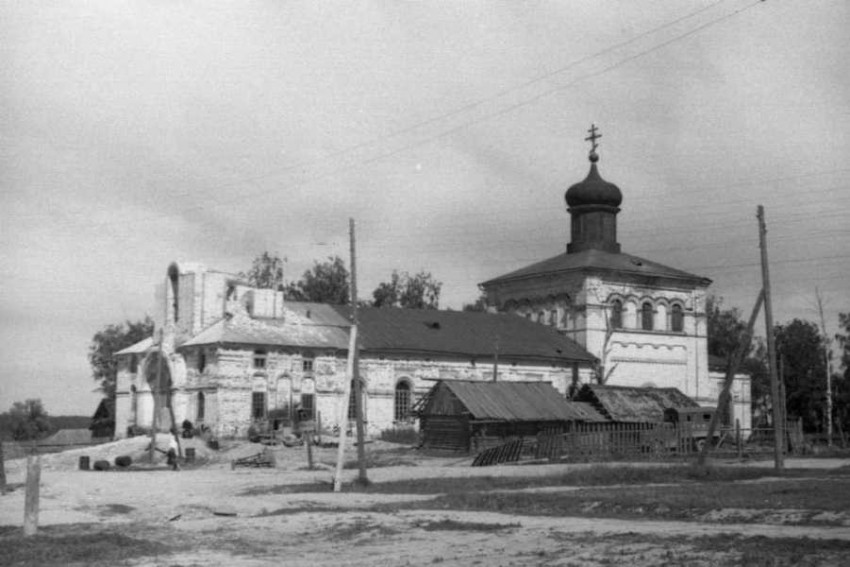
<point>593,191</point>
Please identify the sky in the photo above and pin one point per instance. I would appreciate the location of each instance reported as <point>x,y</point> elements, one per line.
<point>134,134</point>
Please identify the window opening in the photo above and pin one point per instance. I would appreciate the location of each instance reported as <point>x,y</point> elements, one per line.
<point>202,360</point>
<point>402,401</point>
<point>260,357</point>
<point>258,405</point>
<point>677,319</point>
<point>201,407</point>
<point>646,315</point>
<point>308,406</point>
<point>307,365</point>
<point>617,314</point>
<point>352,401</point>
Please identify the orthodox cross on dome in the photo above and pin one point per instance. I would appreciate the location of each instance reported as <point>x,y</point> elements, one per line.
<point>592,139</point>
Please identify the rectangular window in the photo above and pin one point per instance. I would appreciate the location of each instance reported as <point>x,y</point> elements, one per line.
<point>307,365</point>
<point>134,363</point>
<point>202,361</point>
<point>260,357</point>
<point>308,402</point>
<point>258,405</point>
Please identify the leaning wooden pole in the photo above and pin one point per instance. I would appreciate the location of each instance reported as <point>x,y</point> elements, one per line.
<point>731,370</point>
<point>776,402</point>
<point>343,410</point>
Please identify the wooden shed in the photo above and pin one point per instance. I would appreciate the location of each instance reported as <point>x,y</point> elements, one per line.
<point>626,404</point>
<point>463,415</point>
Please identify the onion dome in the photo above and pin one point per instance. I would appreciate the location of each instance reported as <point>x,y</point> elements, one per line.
<point>594,190</point>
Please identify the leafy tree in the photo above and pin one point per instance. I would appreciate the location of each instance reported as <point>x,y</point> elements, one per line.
<point>107,342</point>
<point>420,291</point>
<point>800,350</point>
<point>725,327</point>
<point>29,420</point>
<point>726,330</point>
<point>325,282</point>
<point>266,272</point>
<point>479,304</point>
<point>841,382</point>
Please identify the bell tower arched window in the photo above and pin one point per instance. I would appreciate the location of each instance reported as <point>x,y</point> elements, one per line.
<point>677,319</point>
<point>616,314</point>
<point>646,316</point>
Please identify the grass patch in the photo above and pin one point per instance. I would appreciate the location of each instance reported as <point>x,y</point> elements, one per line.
<point>598,475</point>
<point>64,545</point>
<point>681,502</point>
<point>453,525</point>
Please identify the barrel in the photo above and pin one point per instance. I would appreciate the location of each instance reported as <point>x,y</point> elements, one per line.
<point>84,463</point>
<point>190,454</point>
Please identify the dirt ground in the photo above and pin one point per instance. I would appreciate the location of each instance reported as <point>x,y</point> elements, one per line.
<point>203,516</point>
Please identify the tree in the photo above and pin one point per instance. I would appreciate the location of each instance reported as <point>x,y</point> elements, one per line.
<point>266,272</point>
<point>107,342</point>
<point>841,382</point>
<point>420,291</point>
<point>479,305</point>
<point>29,420</point>
<point>726,330</point>
<point>325,282</point>
<point>800,352</point>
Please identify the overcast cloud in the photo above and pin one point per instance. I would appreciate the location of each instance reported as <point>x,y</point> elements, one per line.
<point>133,134</point>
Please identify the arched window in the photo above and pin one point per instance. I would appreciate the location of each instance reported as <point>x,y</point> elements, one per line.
<point>677,318</point>
<point>616,314</point>
<point>201,407</point>
<point>402,401</point>
<point>646,316</point>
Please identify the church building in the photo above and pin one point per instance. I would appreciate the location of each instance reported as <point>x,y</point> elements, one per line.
<point>644,321</point>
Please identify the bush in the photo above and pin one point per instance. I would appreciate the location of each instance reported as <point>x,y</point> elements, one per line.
<point>123,461</point>
<point>407,435</point>
<point>101,466</point>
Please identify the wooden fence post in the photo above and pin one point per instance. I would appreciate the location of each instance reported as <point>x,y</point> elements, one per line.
<point>31,502</point>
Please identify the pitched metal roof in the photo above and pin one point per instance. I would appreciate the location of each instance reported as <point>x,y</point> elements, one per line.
<point>516,401</point>
<point>599,260</point>
<point>292,331</point>
<point>463,333</point>
<point>630,404</point>
<point>65,437</point>
<point>417,332</point>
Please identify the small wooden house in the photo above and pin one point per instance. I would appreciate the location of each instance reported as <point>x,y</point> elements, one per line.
<point>464,415</point>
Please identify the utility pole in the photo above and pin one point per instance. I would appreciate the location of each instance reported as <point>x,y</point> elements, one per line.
<point>828,371</point>
<point>778,415</point>
<point>353,377</point>
<point>358,385</point>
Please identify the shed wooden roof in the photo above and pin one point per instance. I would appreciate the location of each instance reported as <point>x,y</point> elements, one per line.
<point>513,401</point>
<point>634,405</point>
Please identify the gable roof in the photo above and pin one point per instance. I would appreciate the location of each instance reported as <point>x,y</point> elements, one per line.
<point>595,260</point>
<point>514,401</point>
<point>464,333</point>
<point>419,332</point>
<point>636,405</point>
